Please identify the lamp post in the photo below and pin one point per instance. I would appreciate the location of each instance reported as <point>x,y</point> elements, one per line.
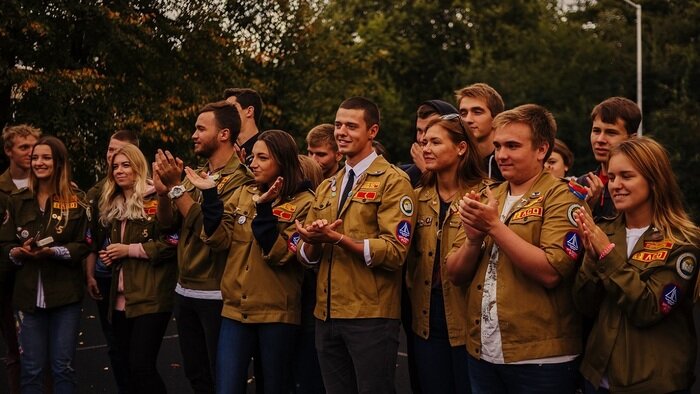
<point>638,7</point>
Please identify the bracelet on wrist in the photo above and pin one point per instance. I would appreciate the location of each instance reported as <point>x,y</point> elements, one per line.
<point>606,251</point>
<point>339,239</point>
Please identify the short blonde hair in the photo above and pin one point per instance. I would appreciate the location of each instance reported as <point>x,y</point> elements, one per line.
<point>21,130</point>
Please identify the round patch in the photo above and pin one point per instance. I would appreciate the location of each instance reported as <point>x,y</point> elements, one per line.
<point>403,232</point>
<point>24,234</point>
<point>685,265</point>
<point>241,219</point>
<point>406,205</point>
<point>570,213</point>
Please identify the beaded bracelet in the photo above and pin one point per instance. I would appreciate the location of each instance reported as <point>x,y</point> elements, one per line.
<point>606,251</point>
<point>339,239</point>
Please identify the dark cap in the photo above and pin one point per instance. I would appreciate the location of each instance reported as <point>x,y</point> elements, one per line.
<point>442,107</point>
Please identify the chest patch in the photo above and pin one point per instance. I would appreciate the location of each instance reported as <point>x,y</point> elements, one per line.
<point>652,245</point>
<point>284,211</point>
<point>366,195</point>
<point>648,257</point>
<point>523,213</point>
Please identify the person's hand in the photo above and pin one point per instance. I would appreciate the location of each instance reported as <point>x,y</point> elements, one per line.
<point>482,218</point>
<point>161,189</point>
<point>594,239</point>
<point>594,188</point>
<point>273,192</point>
<point>473,235</point>
<point>114,252</point>
<point>43,253</point>
<point>168,168</point>
<point>92,289</point>
<point>201,181</point>
<point>24,252</point>
<point>417,156</point>
<point>319,231</point>
<point>240,152</point>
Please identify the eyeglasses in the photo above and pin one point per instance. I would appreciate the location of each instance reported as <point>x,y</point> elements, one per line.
<point>455,116</point>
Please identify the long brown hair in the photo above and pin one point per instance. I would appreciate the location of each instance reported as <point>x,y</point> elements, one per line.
<point>60,181</point>
<point>285,152</point>
<point>469,170</point>
<point>668,214</point>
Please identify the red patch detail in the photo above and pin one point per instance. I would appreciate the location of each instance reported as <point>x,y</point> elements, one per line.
<point>403,232</point>
<point>282,214</point>
<point>647,257</point>
<point>650,245</point>
<point>366,195</point>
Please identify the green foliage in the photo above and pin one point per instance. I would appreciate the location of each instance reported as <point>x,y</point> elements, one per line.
<point>82,69</point>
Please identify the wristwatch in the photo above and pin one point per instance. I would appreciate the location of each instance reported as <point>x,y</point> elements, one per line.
<point>176,192</point>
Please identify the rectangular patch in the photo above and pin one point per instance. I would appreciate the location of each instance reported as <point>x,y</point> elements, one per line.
<point>281,213</point>
<point>370,185</point>
<point>647,257</point>
<point>365,195</point>
<point>651,245</point>
<point>72,205</point>
<point>534,211</point>
<point>288,207</point>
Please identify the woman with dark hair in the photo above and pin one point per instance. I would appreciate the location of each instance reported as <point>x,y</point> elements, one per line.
<point>639,278</point>
<point>261,285</point>
<point>560,160</point>
<point>453,169</point>
<point>44,234</point>
<point>143,265</point>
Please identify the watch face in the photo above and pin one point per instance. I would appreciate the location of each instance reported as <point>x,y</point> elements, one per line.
<point>176,192</point>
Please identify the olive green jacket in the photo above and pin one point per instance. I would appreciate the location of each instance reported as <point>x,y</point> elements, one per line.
<point>149,284</point>
<point>62,279</point>
<point>643,339</point>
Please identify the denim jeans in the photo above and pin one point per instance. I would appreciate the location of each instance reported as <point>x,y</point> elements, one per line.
<point>441,368</point>
<point>237,344</point>
<point>49,335</point>
<point>523,378</point>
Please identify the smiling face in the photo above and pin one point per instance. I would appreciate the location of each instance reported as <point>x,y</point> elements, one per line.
<point>42,162</point>
<point>21,152</point>
<point>264,166</point>
<point>123,172</point>
<point>629,189</point>
<point>440,153</point>
<point>518,160</point>
<point>353,135</point>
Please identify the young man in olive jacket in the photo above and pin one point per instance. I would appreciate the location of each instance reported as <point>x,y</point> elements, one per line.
<point>518,250</point>
<point>198,300</point>
<point>18,142</point>
<point>358,232</point>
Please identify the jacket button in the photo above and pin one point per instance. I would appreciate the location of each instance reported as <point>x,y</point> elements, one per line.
<point>478,287</point>
<point>324,290</point>
<point>430,253</point>
<point>425,312</point>
<point>427,282</point>
<point>476,322</point>
<point>246,268</point>
<point>245,316</point>
<point>476,350</point>
<point>245,296</point>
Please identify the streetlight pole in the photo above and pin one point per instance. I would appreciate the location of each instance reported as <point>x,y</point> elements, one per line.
<point>638,7</point>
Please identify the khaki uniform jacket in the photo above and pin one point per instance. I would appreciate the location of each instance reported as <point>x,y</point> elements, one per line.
<point>644,336</point>
<point>149,285</point>
<point>419,272</point>
<point>7,187</point>
<point>535,322</point>
<point>259,288</point>
<point>199,267</point>
<point>63,280</point>
<point>380,210</point>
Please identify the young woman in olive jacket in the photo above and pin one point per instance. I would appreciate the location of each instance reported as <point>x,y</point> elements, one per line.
<point>44,235</point>
<point>439,307</point>
<point>639,277</point>
<point>261,285</point>
<point>144,267</point>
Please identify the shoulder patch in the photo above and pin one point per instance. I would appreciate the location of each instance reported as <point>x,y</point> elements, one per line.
<point>403,232</point>
<point>573,208</point>
<point>284,211</point>
<point>293,242</point>
<point>406,205</point>
<point>654,245</point>
<point>572,245</point>
<point>685,265</point>
<point>670,296</point>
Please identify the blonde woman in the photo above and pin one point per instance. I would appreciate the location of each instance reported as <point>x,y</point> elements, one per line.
<point>639,277</point>
<point>44,235</point>
<point>144,267</point>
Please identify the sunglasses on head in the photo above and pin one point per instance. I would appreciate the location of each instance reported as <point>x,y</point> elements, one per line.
<point>455,116</point>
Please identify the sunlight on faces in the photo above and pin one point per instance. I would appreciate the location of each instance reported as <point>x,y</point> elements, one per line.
<point>555,165</point>
<point>439,152</point>
<point>42,162</point>
<point>628,188</point>
<point>352,133</point>
<point>123,172</point>
<point>205,136</point>
<point>477,117</point>
<point>605,136</point>
<point>517,158</point>
<point>264,167</point>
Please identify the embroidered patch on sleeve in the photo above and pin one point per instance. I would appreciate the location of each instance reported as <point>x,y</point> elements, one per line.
<point>406,205</point>
<point>572,245</point>
<point>403,232</point>
<point>172,239</point>
<point>670,296</point>
<point>293,242</point>
<point>685,265</point>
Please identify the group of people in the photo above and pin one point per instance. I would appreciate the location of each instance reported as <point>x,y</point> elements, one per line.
<point>507,275</point>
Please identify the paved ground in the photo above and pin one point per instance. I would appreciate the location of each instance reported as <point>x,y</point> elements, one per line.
<point>94,375</point>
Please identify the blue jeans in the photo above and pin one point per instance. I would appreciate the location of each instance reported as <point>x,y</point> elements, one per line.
<point>237,344</point>
<point>523,378</point>
<point>49,335</point>
<point>441,368</point>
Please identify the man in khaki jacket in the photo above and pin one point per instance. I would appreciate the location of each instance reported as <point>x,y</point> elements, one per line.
<point>518,251</point>
<point>358,231</point>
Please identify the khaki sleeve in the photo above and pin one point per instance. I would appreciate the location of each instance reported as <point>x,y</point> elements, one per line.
<point>396,224</point>
<point>559,237</point>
